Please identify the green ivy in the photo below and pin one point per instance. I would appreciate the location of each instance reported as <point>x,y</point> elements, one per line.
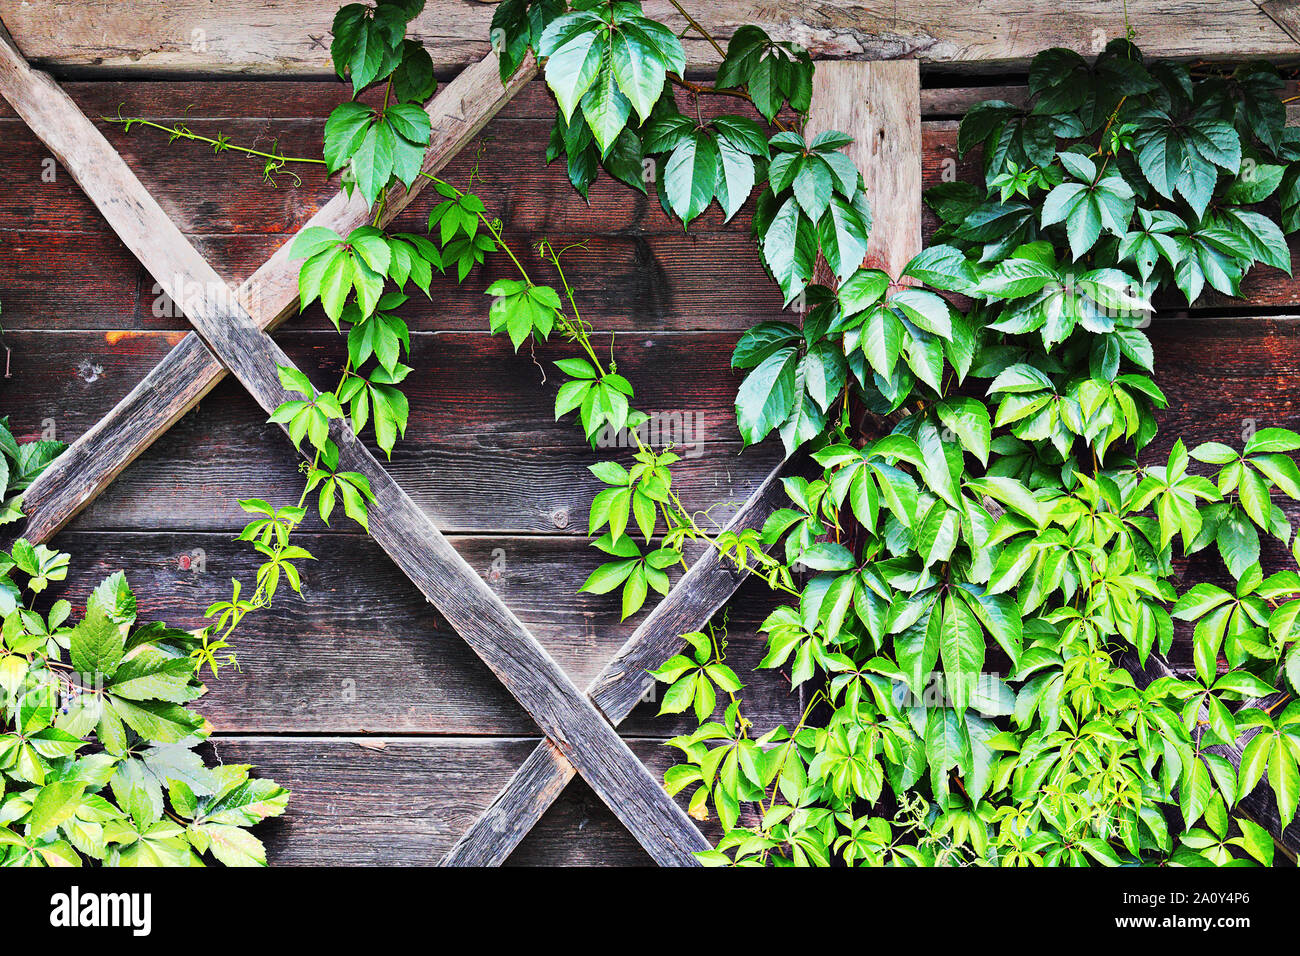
<point>971,577</point>
<point>97,747</point>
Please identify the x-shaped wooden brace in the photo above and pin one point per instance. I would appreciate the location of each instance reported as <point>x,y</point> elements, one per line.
<point>405,532</point>
<point>580,735</point>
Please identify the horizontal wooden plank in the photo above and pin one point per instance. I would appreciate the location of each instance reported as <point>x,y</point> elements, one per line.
<point>363,651</point>
<point>479,409</point>
<point>623,282</point>
<point>469,386</point>
<point>402,802</point>
<point>638,272</point>
<point>291,37</point>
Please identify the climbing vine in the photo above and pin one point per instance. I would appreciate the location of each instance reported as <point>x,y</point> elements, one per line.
<point>975,544</point>
<point>980,563</point>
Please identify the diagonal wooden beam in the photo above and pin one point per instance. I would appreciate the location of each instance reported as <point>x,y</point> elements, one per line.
<point>878,103</point>
<point>460,110</point>
<point>405,532</point>
<point>1286,14</point>
<point>702,590</point>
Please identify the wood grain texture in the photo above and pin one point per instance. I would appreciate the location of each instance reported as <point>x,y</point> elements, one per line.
<point>190,371</point>
<point>878,104</point>
<point>638,272</point>
<point>693,601</point>
<point>380,800</point>
<point>479,410</point>
<point>1286,14</point>
<point>396,522</point>
<point>363,651</point>
<point>291,37</point>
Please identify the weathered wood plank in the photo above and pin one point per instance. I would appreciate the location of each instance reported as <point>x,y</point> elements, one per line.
<point>878,104</point>
<point>396,522</point>
<point>291,37</point>
<point>1285,14</point>
<point>190,371</point>
<point>471,387</point>
<point>478,408</point>
<point>637,283</point>
<point>364,651</point>
<point>639,270</point>
<point>693,601</point>
<point>401,801</point>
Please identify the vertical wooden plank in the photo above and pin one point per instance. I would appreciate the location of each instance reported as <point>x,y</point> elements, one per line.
<point>879,105</point>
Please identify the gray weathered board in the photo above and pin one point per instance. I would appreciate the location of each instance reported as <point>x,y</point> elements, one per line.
<point>291,37</point>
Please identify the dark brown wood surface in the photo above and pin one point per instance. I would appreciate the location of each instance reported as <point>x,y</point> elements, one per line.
<point>405,532</point>
<point>483,455</point>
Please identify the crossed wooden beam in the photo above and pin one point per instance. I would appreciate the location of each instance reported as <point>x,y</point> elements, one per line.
<point>864,99</point>
<point>233,336</point>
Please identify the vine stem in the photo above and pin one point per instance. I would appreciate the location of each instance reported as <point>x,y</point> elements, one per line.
<point>218,145</point>
<point>577,329</point>
<point>699,29</point>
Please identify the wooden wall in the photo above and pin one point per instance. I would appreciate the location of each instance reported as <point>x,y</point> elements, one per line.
<point>359,697</point>
<point>291,37</point>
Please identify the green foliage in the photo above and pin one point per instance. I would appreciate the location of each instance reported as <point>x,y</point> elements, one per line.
<point>959,589</point>
<point>97,746</point>
<point>606,61</point>
<point>19,466</point>
<point>1190,155</point>
<point>973,576</point>
<point>369,45</point>
<point>1007,545</point>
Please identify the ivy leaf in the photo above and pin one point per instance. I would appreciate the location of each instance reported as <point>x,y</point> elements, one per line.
<point>969,420</point>
<point>638,68</point>
<point>790,249</point>
<point>573,49</point>
<point>372,163</point>
<point>606,110</point>
<point>691,175</point>
<point>97,644</point>
<point>961,646</point>
<point>767,396</point>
